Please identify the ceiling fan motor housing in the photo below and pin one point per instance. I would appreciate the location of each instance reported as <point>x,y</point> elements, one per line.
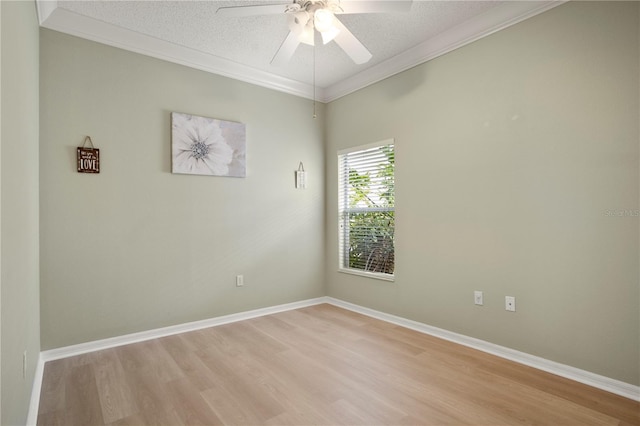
<point>312,5</point>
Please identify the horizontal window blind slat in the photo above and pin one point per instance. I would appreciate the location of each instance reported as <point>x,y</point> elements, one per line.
<point>367,209</point>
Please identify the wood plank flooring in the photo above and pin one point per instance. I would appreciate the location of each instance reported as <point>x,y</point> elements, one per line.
<point>320,365</point>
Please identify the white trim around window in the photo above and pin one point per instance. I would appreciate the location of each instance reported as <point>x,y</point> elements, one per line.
<point>366,210</point>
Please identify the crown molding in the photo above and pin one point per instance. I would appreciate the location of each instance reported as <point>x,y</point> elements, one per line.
<point>45,8</point>
<point>485,24</point>
<point>58,19</point>
<point>65,21</point>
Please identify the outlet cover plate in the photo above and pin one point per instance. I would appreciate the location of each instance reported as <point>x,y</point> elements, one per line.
<point>510,303</point>
<point>478,298</point>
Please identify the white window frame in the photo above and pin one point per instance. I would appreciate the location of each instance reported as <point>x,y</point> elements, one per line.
<point>343,230</point>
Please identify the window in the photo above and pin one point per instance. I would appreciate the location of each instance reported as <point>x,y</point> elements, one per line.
<point>366,209</point>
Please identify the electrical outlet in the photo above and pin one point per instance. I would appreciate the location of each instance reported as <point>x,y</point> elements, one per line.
<point>478,298</point>
<point>510,303</point>
<point>239,280</point>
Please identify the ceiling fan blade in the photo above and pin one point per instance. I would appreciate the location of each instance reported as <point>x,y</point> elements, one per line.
<point>351,45</point>
<point>252,10</point>
<point>286,50</point>
<point>374,6</point>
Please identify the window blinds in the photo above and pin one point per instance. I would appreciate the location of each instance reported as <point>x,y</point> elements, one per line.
<point>366,208</point>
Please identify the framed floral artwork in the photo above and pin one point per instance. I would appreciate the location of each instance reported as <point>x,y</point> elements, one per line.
<point>207,146</point>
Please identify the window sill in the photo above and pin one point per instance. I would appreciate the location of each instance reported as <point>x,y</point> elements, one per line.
<point>374,275</point>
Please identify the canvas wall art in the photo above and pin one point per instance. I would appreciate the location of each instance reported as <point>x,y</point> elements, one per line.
<point>207,146</point>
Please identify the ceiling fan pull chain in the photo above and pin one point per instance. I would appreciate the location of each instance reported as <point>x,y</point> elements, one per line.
<point>314,80</point>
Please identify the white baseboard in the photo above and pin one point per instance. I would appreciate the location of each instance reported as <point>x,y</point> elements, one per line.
<point>34,403</point>
<point>601,382</point>
<point>582,376</point>
<point>82,348</point>
<point>142,336</point>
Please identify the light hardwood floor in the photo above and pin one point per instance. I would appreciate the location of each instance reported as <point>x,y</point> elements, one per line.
<point>317,365</point>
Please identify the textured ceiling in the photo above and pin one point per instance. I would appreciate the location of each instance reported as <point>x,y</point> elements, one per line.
<point>251,42</point>
<point>254,40</point>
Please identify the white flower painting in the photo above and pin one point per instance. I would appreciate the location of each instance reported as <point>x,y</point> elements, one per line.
<point>206,146</point>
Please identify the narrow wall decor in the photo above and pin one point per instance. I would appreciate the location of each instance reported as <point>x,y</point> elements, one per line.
<point>301,177</point>
<point>88,159</point>
<point>207,146</point>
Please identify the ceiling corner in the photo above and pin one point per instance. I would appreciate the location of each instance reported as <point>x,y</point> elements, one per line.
<point>45,8</point>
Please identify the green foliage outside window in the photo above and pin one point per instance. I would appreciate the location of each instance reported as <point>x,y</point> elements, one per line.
<point>370,216</point>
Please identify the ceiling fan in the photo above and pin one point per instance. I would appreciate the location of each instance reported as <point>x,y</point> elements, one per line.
<point>307,16</point>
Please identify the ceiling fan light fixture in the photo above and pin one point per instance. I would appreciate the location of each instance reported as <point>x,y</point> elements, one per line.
<point>307,16</point>
<point>301,25</point>
<point>307,35</point>
<point>323,20</point>
<point>329,34</point>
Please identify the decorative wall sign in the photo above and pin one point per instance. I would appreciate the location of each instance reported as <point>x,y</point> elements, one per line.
<point>88,158</point>
<point>206,146</point>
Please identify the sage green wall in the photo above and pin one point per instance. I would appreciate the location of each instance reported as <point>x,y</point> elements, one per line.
<point>517,174</point>
<point>19,278</point>
<point>136,247</point>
